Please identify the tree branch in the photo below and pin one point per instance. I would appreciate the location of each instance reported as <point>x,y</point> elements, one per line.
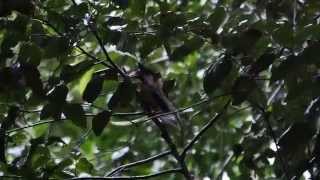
<point>204,129</point>
<point>165,135</point>
<point>137,163</point>
<point>266,116</point>
<point>92,27</point>
<point>123,114</point>
<point>170,171</point>
<point>77,46</point>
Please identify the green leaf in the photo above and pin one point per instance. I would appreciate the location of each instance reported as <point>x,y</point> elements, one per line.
<point>75,113</point>
<point>284,35</point>
<point>100,121</point>
<point>215,74</point>
<point>78,86</point>
<point>122,96</point>
<point>83,165</point>
<point>93,89</point>
<point>77,11</point>
<point>217,18</point>
<point>64,164</point>
<point>72,72</point>
<point>138,7</point>
<point>149,44</point>
<point>188,47</point>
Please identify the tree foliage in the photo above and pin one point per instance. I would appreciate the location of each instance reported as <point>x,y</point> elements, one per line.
<point>162,89</point>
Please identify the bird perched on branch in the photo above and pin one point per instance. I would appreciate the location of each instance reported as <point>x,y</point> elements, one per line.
<point>152,97</point>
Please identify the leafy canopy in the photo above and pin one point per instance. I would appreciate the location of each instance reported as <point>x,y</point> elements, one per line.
<point>176,88</point>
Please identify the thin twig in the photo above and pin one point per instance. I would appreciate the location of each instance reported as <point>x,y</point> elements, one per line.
<point>33,125</point>
<point>185,108</point>
<point>47,23</point>
<point>266,116</point>
<point>170,171</point>
<point>204,129</point>
<point>225,164</point>
<point>137,163</point>
<point>11,177</point>
<point>92,28</point>
<point>123,114</point>
<point>274,138</point>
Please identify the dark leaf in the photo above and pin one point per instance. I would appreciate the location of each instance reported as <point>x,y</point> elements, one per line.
<point>217,18</point>
<point>110,74</point>
<point>168,85</point>
<point>57,47</point>
<point>237,149</point>
<point>138,7</point>
<point>187,48</point>
<point>100,121</point>
<point>69,73</point>
<point>316,150</point>
<point>59,94</point>
<point>54,139</point>
<point>122,3</point>
<point>111,36</point>
<point>2,145</point>
<point>32,77</point>
<point>284,35</point>
<point>286,68</point>
<point>215,74</point>
<point>30,53</point>
<point>241,89</point>
<point>93,89</point>
<point>116,21</point>
<point>122,96</point>
<point>237,3</point>
<point>76,114</point>
<point>149,44</point>
<point>248,39</point>
<point>243,42</point>
<point>262,63</point>
<point>77,11</point>
<point>311,54</point>
<point>301,132</point>
<point>52,110</point>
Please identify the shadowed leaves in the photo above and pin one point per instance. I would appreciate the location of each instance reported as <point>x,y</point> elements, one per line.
<point>100,121</point>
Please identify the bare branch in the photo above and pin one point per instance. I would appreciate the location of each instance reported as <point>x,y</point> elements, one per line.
<point>204,129</point>
<point>170,171</point>
<point>137,163</point>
